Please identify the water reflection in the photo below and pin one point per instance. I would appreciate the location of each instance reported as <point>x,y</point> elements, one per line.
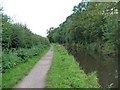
<point>106,67</point>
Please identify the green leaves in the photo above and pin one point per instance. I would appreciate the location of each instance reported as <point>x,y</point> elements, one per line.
<point>92,27</point>
<point>16,35</point>
<point>21,55</point>
<point>19,43</point>
<point>66,73</point>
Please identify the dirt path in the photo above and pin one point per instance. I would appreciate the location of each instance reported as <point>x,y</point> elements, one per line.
<point>36,77</point>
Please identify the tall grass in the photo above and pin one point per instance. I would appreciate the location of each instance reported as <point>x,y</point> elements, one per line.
<point>14,57</point>
<point>12,76</point>
<point>66,73</point>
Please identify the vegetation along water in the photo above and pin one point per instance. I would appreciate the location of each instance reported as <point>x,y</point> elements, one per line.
<point>85,56</point>
<point>91,35</point>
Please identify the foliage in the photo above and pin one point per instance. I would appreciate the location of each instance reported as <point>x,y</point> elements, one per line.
<point>66,73</point>
<point>93,25</point>
<point>22,55</point>
<point>16,35</point>
<point>19,43</point>
<point>14,75</point>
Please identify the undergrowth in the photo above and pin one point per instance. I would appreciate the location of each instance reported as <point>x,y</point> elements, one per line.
<point>66,73</point>
<point>14,75</point>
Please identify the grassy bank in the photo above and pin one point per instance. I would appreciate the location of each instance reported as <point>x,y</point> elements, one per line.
<point>14,75</point>
<point>0,80</point>
<point>66,73</point>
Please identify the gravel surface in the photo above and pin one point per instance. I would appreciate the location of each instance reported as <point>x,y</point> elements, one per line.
<point>36,77</point>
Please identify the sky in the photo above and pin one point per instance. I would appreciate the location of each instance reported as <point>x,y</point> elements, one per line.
<point>39,15</point>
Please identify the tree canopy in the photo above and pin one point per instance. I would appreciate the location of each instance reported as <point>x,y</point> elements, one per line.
<point>16,35</point>
<point>93,25</point>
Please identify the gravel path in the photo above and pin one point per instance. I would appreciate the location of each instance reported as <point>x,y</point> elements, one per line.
<point>36,77</point>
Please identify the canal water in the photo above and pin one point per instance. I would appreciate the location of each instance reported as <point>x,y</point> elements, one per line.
<point>105,66</point>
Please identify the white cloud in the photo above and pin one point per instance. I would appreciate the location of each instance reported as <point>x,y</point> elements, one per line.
<point>39,15</point>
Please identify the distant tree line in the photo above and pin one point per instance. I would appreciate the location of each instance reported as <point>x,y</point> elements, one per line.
<point>93,26</point>
<point>19,44</point>
<point>16,35</point>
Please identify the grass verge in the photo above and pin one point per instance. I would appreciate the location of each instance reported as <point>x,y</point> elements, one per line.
<point>0,80</point>
<point>66,73</point>
<point>14,75</point>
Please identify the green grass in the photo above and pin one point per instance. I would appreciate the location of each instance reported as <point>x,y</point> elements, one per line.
<point>14,75</point>
<point>13,57</point>
<point>66,73</point>
<point>0,81</point>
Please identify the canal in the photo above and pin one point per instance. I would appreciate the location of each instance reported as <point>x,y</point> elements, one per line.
<point>106,68</point>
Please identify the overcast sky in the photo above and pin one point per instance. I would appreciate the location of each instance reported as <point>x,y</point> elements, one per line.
<point>39,15</point>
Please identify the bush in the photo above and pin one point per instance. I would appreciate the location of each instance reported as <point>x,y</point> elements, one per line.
<point>9,60</point>
<point>13,57</point>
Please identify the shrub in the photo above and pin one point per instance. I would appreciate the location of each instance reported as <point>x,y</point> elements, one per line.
<point>13,57</point>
